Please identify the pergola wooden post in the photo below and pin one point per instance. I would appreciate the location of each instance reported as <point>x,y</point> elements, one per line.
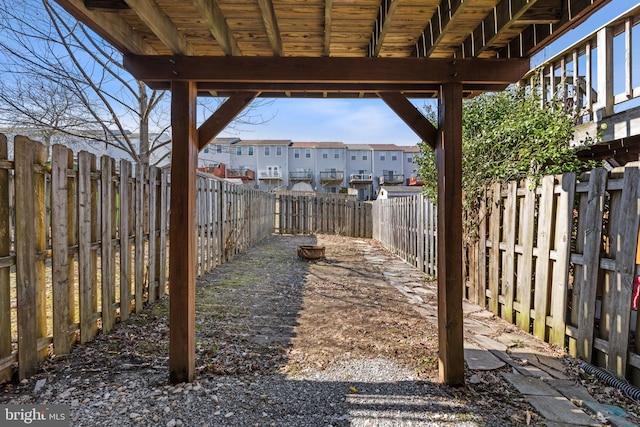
<point>450,280</point>
<point>182,233</point>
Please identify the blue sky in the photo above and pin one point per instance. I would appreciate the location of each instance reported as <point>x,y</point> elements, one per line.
<point>358,121</point>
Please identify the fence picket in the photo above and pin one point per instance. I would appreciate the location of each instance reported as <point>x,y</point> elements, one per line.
<point>494,249</point>
<point>138,242</point>
<point>30,296</point>
<point>622,283</point>
<point>152,268</point>
<point>525,267</point>
<point>5,248</point>
<point>543,246</point>
<point>107,256</point>
<point>591,262</point>
<point>509,256</point>
<point>562,246</point>
<point>164,231</point>
<point>87,235</point>
<point>125,246</point>
<point>62,277</point>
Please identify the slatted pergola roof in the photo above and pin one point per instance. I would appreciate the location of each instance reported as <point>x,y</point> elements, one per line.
<point>391,49</point>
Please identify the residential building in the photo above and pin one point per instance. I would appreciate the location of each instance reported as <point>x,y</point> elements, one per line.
<point>321,164</point>
<point>360,170</point>
<point>328,167</point>
<point>268,158</point>
<point>388,165</point>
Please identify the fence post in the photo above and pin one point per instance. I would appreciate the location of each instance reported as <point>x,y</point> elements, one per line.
<point>5,247</point>
<point>30,239</point>
<point>62,237</point>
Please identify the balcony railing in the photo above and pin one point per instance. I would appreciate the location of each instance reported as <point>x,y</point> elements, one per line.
<point>360,178</point>
<point>331,176</point>
<point>269,174</point>
<point>305,176</point>
<point>244,174</point>
<point>389,179</point>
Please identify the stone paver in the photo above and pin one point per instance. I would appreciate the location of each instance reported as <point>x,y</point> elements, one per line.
<point>530,386</point>
<point>479,359</point>
<point>571,390</point>
<point>559,409</point>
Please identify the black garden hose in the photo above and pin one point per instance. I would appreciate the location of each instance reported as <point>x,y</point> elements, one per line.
<point>622,385</point>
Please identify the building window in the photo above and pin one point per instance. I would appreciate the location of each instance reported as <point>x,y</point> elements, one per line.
<point>251,150</point>
<point>394,158</point>
<point>278,151</point>
<point>353,157</point>
<point>307,153</point>
<point>336,153</point>
<point>382,158</point>
<point>364,157</point>
<point>267,151</point>
<point>239,151</point>
<point>296,153</point>
<point>409,159</point>
<point>218,148</point>
<point>325,154</point>
<point>206,150</point>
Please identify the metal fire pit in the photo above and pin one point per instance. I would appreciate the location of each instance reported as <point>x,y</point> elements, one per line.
<point>310,251</point>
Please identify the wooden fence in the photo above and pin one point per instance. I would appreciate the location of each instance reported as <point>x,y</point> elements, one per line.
<point>82,247</point>
<point>406,226</point>
<point>559,261</point>
<point>305,213</point>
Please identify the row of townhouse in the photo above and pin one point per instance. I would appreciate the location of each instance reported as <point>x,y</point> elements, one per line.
<point>325,167</point>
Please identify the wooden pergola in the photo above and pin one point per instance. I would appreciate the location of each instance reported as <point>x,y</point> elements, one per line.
<point>391,49</point>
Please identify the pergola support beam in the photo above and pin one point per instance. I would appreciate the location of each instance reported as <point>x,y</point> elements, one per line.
<point>411,116</point>
<point>223,116</point>
<point>449,165</point>
<point>182,249</point>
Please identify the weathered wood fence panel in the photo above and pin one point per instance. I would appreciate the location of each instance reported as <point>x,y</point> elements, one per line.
<point>558,260</point>
<point>305,213</point>
<point>81,248</point>
<point>406,226</point>
<point>565,271</point>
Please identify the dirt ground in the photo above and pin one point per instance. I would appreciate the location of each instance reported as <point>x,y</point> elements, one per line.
<point>306,314</point>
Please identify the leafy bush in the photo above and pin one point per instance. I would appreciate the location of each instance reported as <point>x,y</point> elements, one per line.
<point>507,136</point>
